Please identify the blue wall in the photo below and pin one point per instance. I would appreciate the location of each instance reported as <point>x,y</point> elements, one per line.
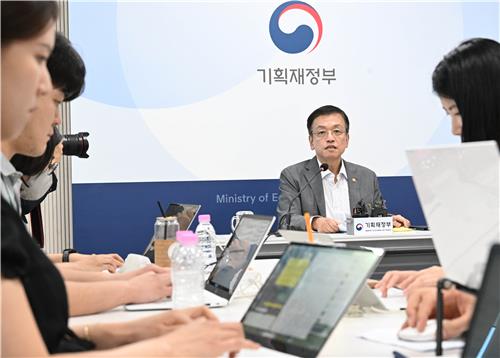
<point>119,217</point>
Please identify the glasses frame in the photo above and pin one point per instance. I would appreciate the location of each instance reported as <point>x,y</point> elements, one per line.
<point>322,133</point>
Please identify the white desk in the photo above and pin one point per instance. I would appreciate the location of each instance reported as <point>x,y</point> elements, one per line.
<point>411,250</point>
<point>342,342</point>
<point>290,235</point>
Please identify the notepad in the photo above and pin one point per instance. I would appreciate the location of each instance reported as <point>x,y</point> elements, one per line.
<point>402,229</point>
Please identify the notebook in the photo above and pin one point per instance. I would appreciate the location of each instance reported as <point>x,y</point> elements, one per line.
<point>458,189</point>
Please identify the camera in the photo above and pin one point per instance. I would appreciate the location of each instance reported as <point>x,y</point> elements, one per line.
<point>76,144</point>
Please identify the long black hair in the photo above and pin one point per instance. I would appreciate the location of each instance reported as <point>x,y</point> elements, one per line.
<point>22,20</point>
<point>470,75</point>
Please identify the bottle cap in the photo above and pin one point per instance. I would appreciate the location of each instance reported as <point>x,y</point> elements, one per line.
<point>187,238</point>
<point>204,218</point>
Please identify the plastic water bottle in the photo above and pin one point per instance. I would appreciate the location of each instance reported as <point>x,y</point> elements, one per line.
<point>187,271</point>
<point>206,235</point>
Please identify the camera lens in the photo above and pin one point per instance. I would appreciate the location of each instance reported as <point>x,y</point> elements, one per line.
<point>76,144</point>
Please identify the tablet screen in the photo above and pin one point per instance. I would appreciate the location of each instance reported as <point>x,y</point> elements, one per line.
<point>239,252</point>
<point>305,296</point>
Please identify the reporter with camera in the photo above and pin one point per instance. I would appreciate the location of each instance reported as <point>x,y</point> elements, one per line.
<point>34,302</point>
<point>88,292</point>
<point>36,159</point>
<point>38,180</point>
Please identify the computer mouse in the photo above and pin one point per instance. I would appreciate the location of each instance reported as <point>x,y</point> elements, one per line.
<point>412,335</point>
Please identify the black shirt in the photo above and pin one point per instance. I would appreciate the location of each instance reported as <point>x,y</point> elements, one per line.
<point>24,260</point>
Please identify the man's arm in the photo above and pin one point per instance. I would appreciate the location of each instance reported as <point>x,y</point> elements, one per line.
<point>93,297</point>
<point>289,188</point>
<point>77,275</point>
<point>69,272</point>
<point>55,258</point>
<point>86,262</point>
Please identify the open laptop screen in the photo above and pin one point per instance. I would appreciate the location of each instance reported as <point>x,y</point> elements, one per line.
<point>458,184</point>
<point>185,213</point>
<point>482,339</point>
<point>305,296</point>
<point>239,252</point>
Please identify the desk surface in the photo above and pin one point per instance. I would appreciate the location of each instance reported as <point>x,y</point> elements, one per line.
<point>344,340</point>
<point>290,235</point>
<point>411,250</point>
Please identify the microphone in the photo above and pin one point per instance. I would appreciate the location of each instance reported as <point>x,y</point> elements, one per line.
<point>323,167</point>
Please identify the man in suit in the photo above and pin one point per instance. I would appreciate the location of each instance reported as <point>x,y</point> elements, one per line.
<point>331,196</point>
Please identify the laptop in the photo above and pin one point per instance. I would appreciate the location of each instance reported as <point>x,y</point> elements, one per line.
<point>223,281</point>
<point>306,295</point>
<point>483,338</point>
<point>185,213</point>
<point>458,188</point>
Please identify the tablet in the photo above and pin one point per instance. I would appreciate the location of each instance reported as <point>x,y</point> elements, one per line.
<point>306,295</point>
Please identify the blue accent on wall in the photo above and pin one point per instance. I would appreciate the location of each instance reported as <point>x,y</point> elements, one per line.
<point>119,217</point>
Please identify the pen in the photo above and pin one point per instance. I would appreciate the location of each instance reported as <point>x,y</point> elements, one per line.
<point>161,208</point>
<point>310,237</point>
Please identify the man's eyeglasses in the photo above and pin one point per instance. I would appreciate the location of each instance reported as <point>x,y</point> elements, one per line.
<point>322,133</point>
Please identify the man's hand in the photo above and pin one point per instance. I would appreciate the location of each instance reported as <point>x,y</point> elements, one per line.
<point>458,309</point>
<point>410,280</point>
<point>111,335</point>
<point>58,152</point>
<point>212,339</point>
<point>131,274</point>
<point>154,326</point>
<point>424,278</point>
<point>327,225</point>
<point>108,262</point>
<point>149,287</point>
<point>400,221</point>
<point>465,304</point>
<point>394,279</point>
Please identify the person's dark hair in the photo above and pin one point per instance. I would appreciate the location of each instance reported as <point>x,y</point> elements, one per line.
<point>325,110</point>
<point>34,165</point>
<point>470,75</point>
<point>66,68</point>
<point>22,20</point>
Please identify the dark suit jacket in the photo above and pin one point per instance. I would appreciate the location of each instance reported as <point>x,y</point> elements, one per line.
<point>362,183</point>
